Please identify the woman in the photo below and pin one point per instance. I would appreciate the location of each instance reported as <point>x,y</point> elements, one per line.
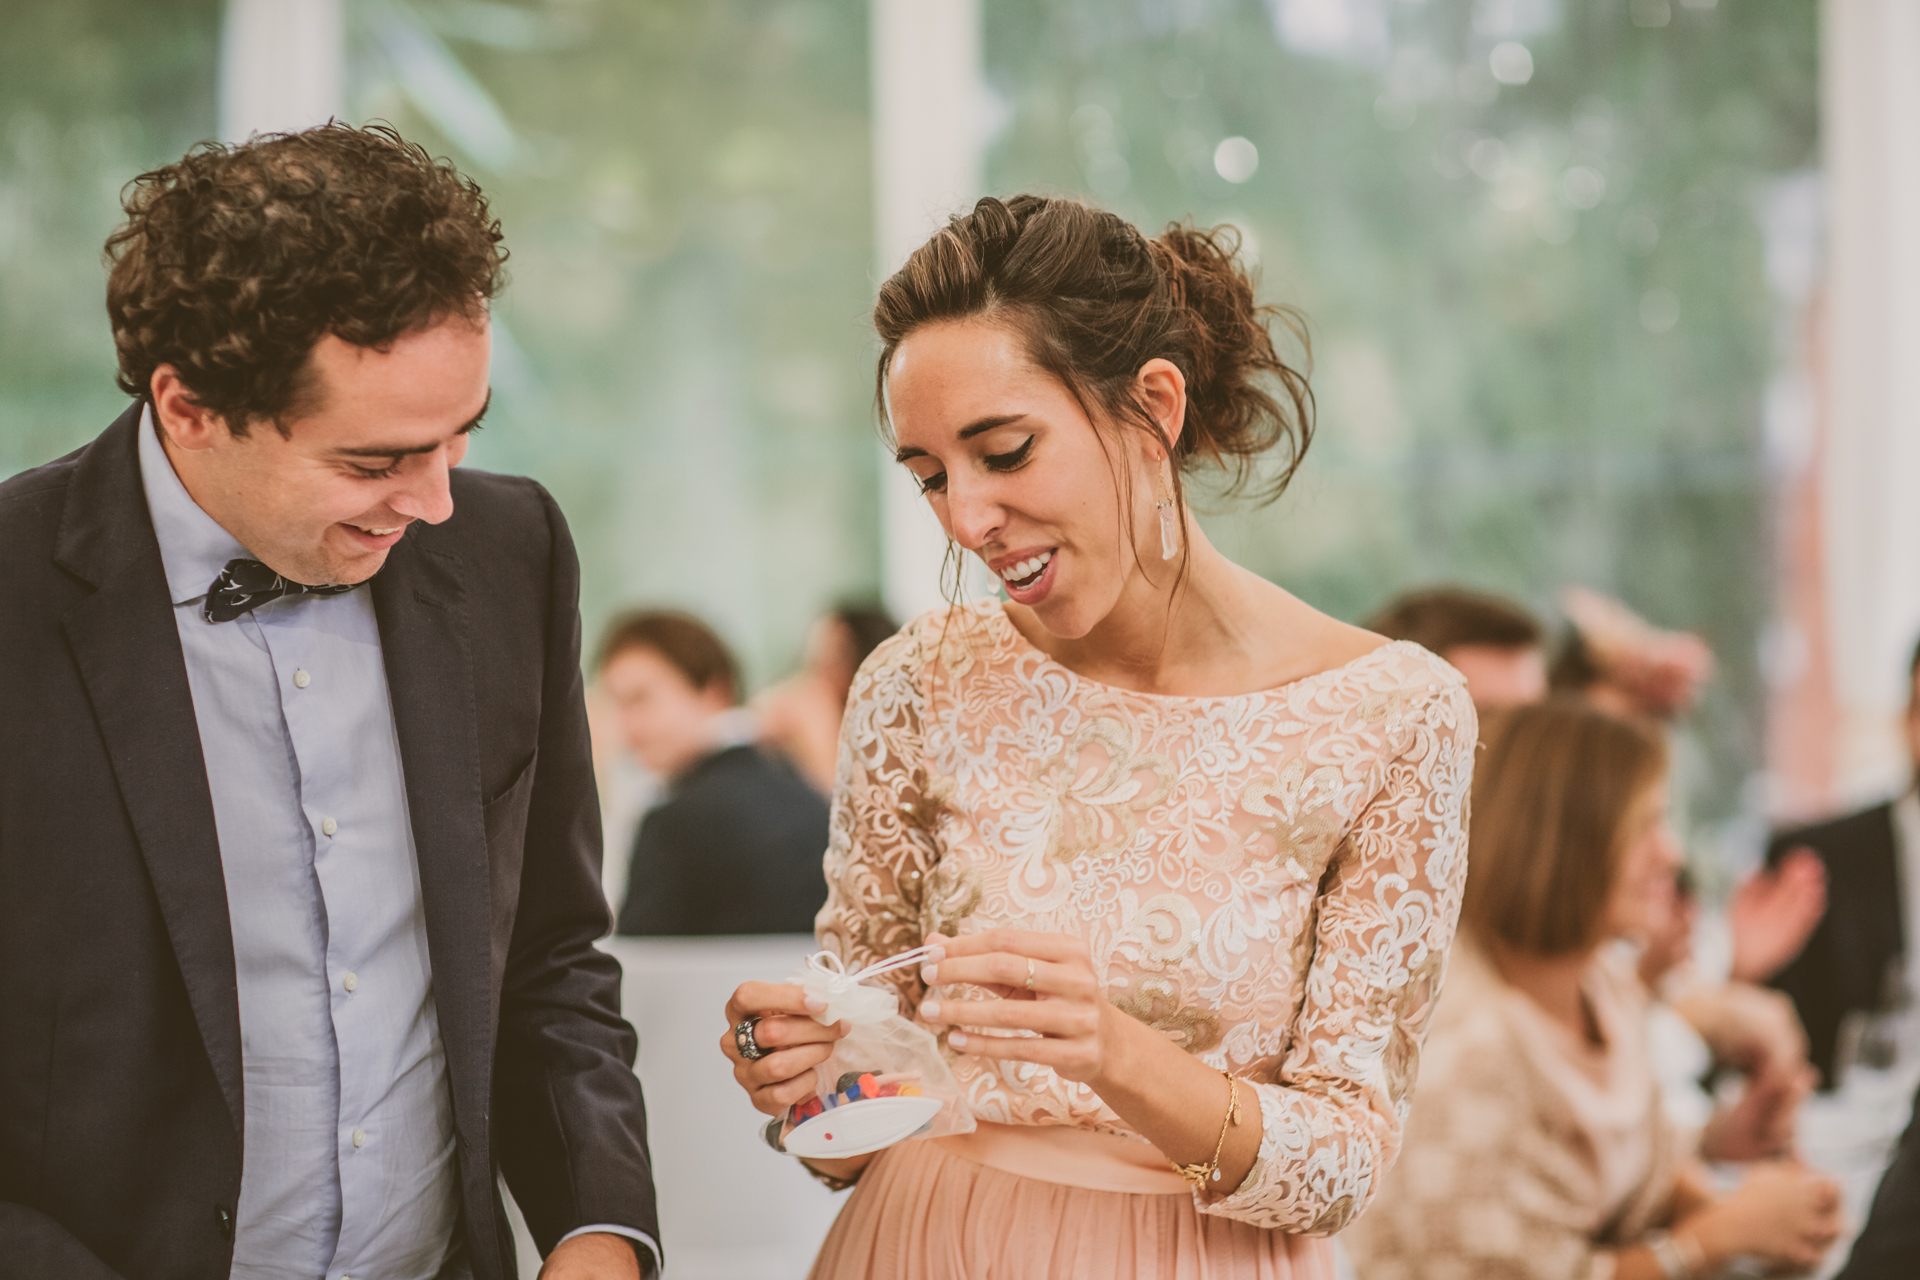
<point>1539,1147</point>
<point>1191,851</point>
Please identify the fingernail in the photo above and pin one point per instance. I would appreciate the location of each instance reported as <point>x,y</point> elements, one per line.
<point>930,1010</point>
<point>958,1039</point>
<point>936,954</point>
<point>929,973</point>
<point>816,1005</point>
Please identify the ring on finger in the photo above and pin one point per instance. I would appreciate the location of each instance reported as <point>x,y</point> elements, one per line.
<point>1029,973</point>
<point>743,1040</point>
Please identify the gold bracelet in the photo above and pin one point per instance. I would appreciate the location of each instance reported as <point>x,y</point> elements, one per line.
<point>828,1180</point>
<point>1200,1174</point>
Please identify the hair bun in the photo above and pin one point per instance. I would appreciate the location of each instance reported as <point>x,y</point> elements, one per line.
<point>1231,418</point>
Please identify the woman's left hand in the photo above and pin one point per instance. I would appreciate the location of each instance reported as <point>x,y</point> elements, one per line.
<point>1042,983</point>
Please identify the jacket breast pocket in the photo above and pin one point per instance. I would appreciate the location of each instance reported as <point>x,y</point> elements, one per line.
<point>506,822</point>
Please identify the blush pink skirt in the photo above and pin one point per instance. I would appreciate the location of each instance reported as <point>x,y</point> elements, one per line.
<point>1082,1204</point>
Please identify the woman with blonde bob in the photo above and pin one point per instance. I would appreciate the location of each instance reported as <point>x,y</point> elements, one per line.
<point>1190,853</point>
<point>1537,1147</point>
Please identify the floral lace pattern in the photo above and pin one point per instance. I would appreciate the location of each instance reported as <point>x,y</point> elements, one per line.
<point>1272,880</point>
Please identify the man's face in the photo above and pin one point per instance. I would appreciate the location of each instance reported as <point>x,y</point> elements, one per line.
<point>367,457</point>
<point>1499,676</point>
<point>668,724</point>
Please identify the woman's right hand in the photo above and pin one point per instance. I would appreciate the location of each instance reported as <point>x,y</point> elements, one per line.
<point>794,1043</point>
<point>1784,1213</point>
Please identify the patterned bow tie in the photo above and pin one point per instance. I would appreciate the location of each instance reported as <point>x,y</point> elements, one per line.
<point>245,585</point>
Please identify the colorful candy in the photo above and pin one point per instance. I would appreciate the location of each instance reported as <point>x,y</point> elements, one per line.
<point>856,1086</point>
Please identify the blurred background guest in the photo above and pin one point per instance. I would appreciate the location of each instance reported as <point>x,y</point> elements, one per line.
<point>1857,956</point>
<point>736,845</point>
<point>1537,1145</point>
<point>1698,1031</point>
<point>1615,660</point>
<point>800,717</point>
<point>1889,1245</point>
<point>1496,644</point>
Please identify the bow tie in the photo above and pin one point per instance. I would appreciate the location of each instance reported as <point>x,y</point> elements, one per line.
<point>245,585</point>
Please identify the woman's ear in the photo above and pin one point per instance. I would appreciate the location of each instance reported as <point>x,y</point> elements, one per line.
<point>1162,390</point>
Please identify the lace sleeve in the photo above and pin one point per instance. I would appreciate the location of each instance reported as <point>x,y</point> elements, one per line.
<point>880,846</point>
<point>1332,1121</point>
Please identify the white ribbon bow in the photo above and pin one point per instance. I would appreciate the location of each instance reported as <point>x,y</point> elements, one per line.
<point>826,978</point>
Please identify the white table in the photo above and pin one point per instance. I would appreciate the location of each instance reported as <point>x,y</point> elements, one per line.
<point>731,1208</point>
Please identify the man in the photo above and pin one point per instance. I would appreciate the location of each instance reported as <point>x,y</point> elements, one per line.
<point>1495,644</point>
<point>1859,957</point>
<point>298,838</point>
<point>736,847</point>
<point>1888,1247</point>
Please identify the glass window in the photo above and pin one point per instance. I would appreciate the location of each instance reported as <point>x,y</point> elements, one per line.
<point>1527,237</point>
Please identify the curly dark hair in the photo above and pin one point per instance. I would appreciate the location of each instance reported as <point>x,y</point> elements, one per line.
<point>234,261</point>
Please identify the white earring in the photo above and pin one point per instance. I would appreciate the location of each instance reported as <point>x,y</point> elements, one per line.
<point>1169,514</point>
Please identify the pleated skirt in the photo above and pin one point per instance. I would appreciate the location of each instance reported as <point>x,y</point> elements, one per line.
<point>921,1212</point>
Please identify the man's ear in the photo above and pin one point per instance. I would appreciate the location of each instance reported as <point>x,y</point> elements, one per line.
<point>1162,390</point>
<point>187,423</point>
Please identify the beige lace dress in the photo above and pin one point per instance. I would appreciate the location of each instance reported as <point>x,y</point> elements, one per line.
<point>1272,880</point>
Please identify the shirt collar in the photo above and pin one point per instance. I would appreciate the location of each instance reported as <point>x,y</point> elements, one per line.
<point>193,546</point>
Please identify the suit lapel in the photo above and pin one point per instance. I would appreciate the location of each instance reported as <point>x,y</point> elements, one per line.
<point>129,655</point>
<point>421,606</point>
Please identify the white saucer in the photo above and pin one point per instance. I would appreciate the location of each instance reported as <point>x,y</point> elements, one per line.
<point>859,1127</point>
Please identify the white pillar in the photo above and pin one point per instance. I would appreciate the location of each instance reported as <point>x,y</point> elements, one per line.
<point>282,66</point>
<point>1870,107</point>
<point>927,161</point>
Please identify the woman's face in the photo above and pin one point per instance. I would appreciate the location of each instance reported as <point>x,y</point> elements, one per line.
<point>1017,472</point>
<point>1647,865</point>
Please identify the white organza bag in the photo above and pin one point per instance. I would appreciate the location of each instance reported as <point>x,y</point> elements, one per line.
<point>886,1080</point>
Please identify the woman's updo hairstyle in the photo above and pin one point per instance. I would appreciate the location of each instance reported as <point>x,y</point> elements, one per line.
<point>1094,300</point>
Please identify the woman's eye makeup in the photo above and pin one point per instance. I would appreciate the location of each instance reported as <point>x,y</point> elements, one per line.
<point>1012,460</point>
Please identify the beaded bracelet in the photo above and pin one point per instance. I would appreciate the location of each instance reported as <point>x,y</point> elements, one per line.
<point>1200,1174</point>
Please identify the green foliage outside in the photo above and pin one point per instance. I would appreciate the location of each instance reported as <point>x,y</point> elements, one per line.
<point>1541,322</point>
<point>1507,395</point>
<point>91,94</point>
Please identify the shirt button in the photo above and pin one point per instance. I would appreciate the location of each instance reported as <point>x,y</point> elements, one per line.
<point>359,1137</point>
<point>328,826</point>
<point>351,983</point>
<point>301,679</point>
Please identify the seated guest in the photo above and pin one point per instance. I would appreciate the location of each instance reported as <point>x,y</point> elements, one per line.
<point>800,718</point>
<point>736,846</point>
<point>1858,955</point>
<point>1536,1145</point>
<point>1494,643</point>
<point>1697,1030</point>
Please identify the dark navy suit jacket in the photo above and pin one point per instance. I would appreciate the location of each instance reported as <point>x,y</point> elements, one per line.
<point>120,1071</point>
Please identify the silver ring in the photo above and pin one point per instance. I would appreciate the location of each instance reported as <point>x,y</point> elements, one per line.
<point>743,1040</point>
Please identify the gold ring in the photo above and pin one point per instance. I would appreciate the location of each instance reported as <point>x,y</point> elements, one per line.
<point>1029,973</point>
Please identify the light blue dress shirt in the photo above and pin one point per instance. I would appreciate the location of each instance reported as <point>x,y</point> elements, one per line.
<point>348,1164</point>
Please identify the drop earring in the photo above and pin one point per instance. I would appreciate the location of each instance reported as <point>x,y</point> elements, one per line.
<point>1169,514</point>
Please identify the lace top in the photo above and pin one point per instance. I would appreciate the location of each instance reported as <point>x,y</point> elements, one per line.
<point>1272,880</point>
